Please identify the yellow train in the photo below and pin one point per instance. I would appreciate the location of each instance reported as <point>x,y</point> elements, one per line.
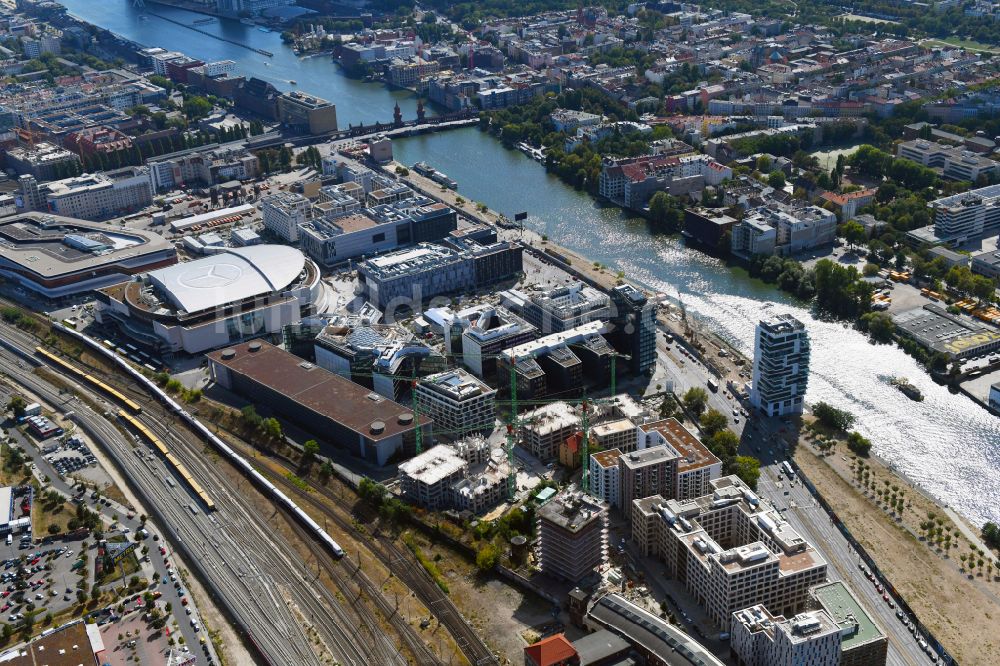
<point>132,405</point>
<point>174,462</point>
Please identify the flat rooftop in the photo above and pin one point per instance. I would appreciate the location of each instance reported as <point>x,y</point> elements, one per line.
<point>319,390</point>
<point>35,243</point>
<point>572,512</point>
<point>649,456</point>
<point>934,327</point>
<point>607,458</point>
<point>847,612</point>
<point>433,465</point>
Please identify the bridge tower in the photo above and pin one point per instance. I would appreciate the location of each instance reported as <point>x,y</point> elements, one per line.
<point>397,116</point>
<point>420,112</point>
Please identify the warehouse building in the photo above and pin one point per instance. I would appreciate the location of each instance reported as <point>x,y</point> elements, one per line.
<point>939,331</point>
<point>337,411</point>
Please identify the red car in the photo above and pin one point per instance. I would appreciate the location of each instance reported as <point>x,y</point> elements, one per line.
<point>5,608</point>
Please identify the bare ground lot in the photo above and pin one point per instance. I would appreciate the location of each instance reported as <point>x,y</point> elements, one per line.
<point>500,613</point>
<point>964,614</point>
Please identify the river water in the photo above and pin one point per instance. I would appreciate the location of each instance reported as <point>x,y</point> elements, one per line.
<point>947,443</point>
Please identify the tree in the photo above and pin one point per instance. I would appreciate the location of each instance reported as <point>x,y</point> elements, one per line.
<point>668,407</point>
<point>695,400</point>
<point>854,233</point>
<point>196,107</point>
<point>712,422</point>
<point>309,451</point>
<point>983,288</point>
<point>16,406</point>
<point>991,535</point>
<point>723,444</point>
<point>747,468</point>
<point>837,419</point>
<point>665,212</point>
<point>776,179</point>
<point>858,444</point>
<point>879,325</point>
<point>487,557</point>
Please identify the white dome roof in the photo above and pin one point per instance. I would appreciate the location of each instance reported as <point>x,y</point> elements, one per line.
<point>230,276</point>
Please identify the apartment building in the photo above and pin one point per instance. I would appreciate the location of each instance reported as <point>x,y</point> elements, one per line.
<point>101,195</point>
<point>862,641</point>
<point>572,536</point>
<point>206,165</point>
<point>559,309</point>
<point>648,471</point>
<point>696,465</point>
<point>753,236</point>
<point>955,163</point>
<point>758,638</point>
<point>426,479</point>
<point>617,434</point>
<point>780,366</point>
<point>966,216</point>
<point>604,475</point>
<point>44,161</point>
<point>545,428</point>
<point>631,182</point>
<point>459,403</point>
<point>489,332</point>
<point>443,477</point>
<point>848,204</point>
<point>729,549</point>
<point>283,212</point>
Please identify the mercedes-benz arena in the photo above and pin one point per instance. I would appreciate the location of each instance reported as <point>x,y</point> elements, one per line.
<point>235,295</point>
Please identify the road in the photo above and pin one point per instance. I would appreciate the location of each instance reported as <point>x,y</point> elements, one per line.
<point>262,580</point>
<point>812,522</point>
<point>110,513</point>
<point>808,517</point>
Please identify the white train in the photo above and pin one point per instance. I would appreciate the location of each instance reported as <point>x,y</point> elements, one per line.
<point>224,448</point>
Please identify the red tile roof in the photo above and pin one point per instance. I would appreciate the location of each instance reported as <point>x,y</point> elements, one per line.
<point>552,651</point>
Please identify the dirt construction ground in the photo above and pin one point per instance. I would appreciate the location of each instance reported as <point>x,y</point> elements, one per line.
<point>964,614</point>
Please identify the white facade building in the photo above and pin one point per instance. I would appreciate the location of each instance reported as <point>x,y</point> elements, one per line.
<point>282,214</point>
<point>759,638</point>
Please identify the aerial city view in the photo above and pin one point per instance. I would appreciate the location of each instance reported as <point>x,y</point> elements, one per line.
<point>555,333</point>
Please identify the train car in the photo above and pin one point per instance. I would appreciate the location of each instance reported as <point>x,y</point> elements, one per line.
<point>72,369</point>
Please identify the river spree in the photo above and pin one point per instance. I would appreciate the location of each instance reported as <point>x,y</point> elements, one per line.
<point>946,443</point>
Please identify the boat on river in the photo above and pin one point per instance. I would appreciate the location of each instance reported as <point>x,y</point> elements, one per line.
<point>906,388</point>
<point>427,171</point>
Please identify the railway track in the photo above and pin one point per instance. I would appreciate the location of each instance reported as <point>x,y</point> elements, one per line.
<point>400,561</point>
<point>184,532</point>
<point>405,566</point>
<point>247,575</point>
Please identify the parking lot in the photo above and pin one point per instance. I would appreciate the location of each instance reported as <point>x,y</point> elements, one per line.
<point>70,456</point>
<point>40,577</point>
